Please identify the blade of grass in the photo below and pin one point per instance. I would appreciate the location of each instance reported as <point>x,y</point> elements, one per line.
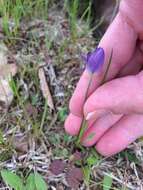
<point>16,93</point>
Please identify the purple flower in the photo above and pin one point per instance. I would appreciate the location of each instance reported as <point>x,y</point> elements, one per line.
<point>94,60</point>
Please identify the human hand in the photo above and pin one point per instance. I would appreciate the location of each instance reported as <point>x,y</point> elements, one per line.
<point>114,110</point>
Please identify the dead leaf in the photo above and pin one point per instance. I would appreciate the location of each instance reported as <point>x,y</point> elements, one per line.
<point>31,110</point>
<point>6,94</point>
<point>21,144</point>
<point>7,69</point>
<point>57,167</point>
<point>6,72</point>
<point>45,88</point>
<point>74,177</point>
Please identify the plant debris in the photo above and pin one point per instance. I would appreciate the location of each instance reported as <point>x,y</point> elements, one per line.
<point>45,88</point>
<point>57,167</point>
<point>31,110</point>
<point>74,177</point>
<point>6,73</point>
<point>20,144</point>
<point>76,156</point>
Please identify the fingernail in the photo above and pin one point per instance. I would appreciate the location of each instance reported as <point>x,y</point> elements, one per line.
<point>90,115</point>
<point>96,114</point>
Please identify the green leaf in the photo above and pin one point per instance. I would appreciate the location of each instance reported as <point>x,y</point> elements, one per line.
<point>130,156</point>
<point>94,153</point>
<point>92,160</point>
<point>87,173</point>
<point>30,182</point>
<point>40,183</point>
<point>34,99</point>
<point>65,152</point>
<point>107,182</point>
<point>12,179</point>
<point>67,138</point>
<point>62,114</point>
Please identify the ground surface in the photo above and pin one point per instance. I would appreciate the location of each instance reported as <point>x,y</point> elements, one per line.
<point>31,133</point>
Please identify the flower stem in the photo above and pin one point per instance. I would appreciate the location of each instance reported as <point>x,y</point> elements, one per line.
<point>84,122</point>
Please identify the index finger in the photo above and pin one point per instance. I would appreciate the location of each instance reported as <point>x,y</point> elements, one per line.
<point>120,37</point>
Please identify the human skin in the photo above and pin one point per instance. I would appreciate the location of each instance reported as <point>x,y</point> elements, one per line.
<point>114,110</point>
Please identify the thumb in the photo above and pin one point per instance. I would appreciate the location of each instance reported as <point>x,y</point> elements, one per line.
<point>119,96</point>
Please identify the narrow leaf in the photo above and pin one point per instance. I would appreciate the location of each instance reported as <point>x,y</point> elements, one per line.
<point>40,183</point>
<point>30,182</point>
<point>107,182</point>
<point>87,173</point>
<point>12,179</point>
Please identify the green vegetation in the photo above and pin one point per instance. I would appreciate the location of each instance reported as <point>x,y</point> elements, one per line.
<point>48,35</point>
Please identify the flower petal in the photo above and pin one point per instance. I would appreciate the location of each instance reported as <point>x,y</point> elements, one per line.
<point>95,60</point>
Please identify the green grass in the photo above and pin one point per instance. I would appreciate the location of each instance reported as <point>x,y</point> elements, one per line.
<point>11,11</point>
<point>14,11</point>
<point>43,128</point>
<point>72,8</point>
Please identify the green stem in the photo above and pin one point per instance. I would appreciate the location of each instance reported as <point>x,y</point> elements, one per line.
<point>84,122</point>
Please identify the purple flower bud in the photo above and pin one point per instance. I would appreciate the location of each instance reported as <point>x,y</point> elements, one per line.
<point>94,60</point>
